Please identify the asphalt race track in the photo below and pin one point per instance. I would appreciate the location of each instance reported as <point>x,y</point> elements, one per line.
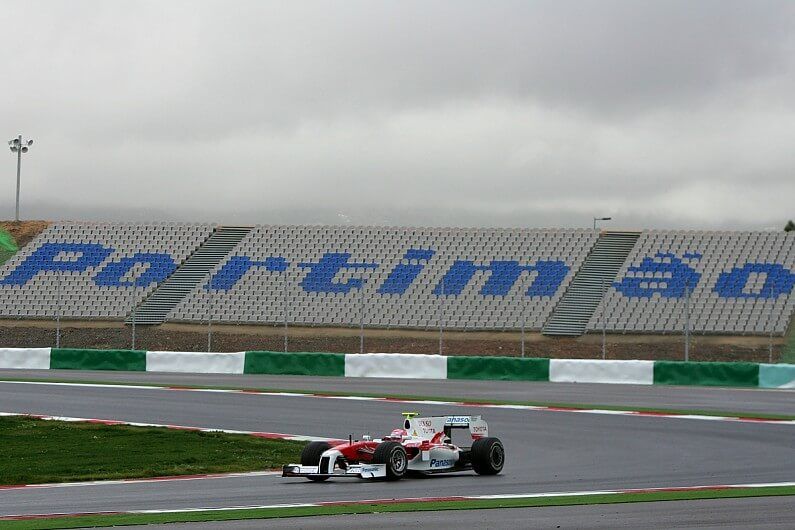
<point>546,451</point>
<point>720,399</point>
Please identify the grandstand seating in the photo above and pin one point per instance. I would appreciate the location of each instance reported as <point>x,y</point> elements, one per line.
<point>104,270</point>
<point>402,270</point>
<point>735,282</point>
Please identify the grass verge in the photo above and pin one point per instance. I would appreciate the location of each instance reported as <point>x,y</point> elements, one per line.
<point>574,406</point>
<point>35,451</point>
<point>476,504</point>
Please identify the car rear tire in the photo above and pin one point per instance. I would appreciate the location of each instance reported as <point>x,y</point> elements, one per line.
<point>310,456</point>
<point>394,456</point>
<point>488,456</point>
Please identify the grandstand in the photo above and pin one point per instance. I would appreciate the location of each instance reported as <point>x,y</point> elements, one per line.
<point>97,270</point>
<point>561,282</point>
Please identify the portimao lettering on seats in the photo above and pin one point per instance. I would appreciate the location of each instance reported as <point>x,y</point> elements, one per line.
<point>664,273</point>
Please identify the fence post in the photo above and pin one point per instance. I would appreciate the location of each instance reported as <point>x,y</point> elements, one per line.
<point>284,299</point>
<point>524,316</point>
<point>210,316</point>
<point>687,322</point>
<point>441,318</point>
<point>58,310</point>
<point>361,318</point>
<point>132,304</point>
<point>604,320</point>
<point>772,324</point>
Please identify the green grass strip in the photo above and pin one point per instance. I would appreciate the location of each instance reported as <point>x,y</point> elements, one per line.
<point>294,363</point>
<point>80,359</point>
<point>407,397</point>
<point>270,513</point>
<point>36,451</point>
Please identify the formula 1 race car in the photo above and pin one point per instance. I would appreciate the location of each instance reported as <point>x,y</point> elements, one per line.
<point>422,446</point>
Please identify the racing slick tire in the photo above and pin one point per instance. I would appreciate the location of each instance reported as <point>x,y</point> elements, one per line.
<point>488,456</point>
<point>394,456</point>
<point>310,456</point>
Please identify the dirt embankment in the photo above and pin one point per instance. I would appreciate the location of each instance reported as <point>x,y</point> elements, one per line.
<point>23,232</point>
<point>183,337</point>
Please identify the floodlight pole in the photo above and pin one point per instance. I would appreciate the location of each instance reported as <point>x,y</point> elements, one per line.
<point>19,165</point>
<point>18,147</point>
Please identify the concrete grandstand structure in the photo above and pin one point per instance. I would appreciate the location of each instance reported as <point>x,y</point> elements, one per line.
<point>561,281</point>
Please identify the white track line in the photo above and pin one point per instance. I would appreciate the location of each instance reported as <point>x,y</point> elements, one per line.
<point>704,417</point>
<point>721,487</point>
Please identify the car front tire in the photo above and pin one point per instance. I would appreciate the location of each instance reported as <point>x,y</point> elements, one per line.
<point>310,456</point>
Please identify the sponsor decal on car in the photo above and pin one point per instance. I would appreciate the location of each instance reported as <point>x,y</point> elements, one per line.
<point>441,463</point>
<point>458,420</point>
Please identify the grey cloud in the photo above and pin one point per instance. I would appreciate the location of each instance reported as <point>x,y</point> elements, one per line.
<point>493,113</point>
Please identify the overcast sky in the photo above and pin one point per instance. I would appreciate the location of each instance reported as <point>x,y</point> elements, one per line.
<point>489,113</point>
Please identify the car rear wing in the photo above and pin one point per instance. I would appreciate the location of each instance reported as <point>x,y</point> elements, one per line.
<point>427,427</point>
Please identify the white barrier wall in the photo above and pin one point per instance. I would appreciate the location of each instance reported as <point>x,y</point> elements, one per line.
<point>405,366</point>
<point>197,363</point>
<point>598,371</point>
<point>25,358</point>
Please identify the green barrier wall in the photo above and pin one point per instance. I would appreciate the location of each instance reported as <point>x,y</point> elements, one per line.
<point>498,368</point>
<point>706,374</point>
<point>292,363</point>
<point>76,359</point>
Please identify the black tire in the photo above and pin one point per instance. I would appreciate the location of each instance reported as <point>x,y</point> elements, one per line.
<point>488,456</point>
<point>310,456</point>
<point>394,456</point>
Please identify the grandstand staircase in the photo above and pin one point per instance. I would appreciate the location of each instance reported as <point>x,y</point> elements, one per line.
<point>572,313</point>
<point>154,309</point>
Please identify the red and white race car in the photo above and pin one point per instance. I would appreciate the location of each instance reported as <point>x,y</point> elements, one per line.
<point>423,446</point>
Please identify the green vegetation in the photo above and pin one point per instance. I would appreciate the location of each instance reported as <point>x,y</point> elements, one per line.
<point>270,513</point>
<point>36,451</point>
<point>574,406</point>
<point>8,246</point>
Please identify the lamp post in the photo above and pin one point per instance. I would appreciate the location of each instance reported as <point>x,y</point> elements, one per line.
<point>19,146</point>
<point>595,219</point>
